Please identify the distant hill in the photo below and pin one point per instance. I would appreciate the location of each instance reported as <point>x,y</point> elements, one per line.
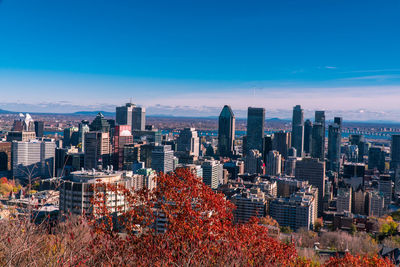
<point>94,113</point>
<point>2,111</point>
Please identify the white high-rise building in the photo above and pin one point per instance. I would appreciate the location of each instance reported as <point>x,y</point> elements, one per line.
<point>273,163</point>
<point>212,173</point>
<point>343,202</point>
<point>33,159</point>
<point>188,141</point>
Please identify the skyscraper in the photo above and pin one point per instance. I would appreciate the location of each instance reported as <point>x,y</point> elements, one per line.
<point>376,159</point>
<point>282,142</point>
<point>97,150</point>
<point>39,128</point>
<point>298,130</point>
<point>273,163</point>
<point>395,151</point>
<point>34,158</point>
<point>308,137</point>
<point>313,171</point>
<point>334,142</point>
<point>123,114</point>
<point>188,141</point>
<point>253,162</point>
<point>122,137</point>
<point>100,124</point>
<point>226,132</point>
<point>359,141</point>
<point>162,159</point>
<point>255,128</point>
<point>138,118</point>
<point>318,136</point>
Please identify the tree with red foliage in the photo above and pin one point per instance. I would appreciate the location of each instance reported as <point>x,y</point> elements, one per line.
<point>199,230</point>
<point>358,261</point>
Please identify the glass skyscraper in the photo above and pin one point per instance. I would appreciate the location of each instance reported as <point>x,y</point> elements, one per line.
<point>298,130</point>
<point>226,132</point>
<point>255,128</point>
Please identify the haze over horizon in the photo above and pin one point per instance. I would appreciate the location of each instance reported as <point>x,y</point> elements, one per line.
<point>181,58</point>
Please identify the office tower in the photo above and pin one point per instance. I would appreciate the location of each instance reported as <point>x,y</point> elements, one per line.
<point>97,150</point>
<point>212,173</point>
<point>376,204</point>
<point>122,137</point>
<point>162,159</point>
<point>71,137</point>
<point>123,115</point>
<point>351,152</point>
<point>298,130</point>
<point>273,164</point>
<point>226,132</point>
<point>290,166</point>
<point>308,137</point>
<point>376,159</point>
<point>33,159</point>
<point>282,142</point>
<point>395,151</point>
<point>358,206</point>
<point>359,141</point>
<point>100,124</point>
<point>268,140</point>
<point>297,211</point>
<point>248,204</point>
<point>138,118</point>
<point>334,142</point>
<point>385,187</point>
<point>20,136</point>
<point>343,201</point>
<point>188,142</point>
<point>39,128</point>
<point>5,158</point>
<point>253,162</point>
<point>255,129</point>
<point>320,118</point>
<point>288,186</point>
<point>318,141</point>
<point>82,130</point>
<point>131,155</point>
<point>313,171</point>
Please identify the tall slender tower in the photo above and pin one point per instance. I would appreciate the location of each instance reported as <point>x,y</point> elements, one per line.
<point>318,136</point>
<point>308,136</point>
<point>395,152</point>
<point>226,132</point>
<point>255,128</point>
<point>298,130</point>
<point>334,142</point>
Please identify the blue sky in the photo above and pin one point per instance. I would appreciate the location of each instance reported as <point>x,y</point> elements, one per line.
<point>195,56</point>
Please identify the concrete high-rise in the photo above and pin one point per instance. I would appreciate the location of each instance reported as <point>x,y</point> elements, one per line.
<point>298,130</point>
<point>255,128</point>
<point>33,159</point>
<point>212,173</point>
<point>282,142</point>
<point>188,142</point>
<point>253,162</point>
<point>273,164</point>
<point>313,171</point>
<point>334,143</point>
<point>395,151</point>
<point>162,159</point>
<point>226,132</point>
<point>123,114</point>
